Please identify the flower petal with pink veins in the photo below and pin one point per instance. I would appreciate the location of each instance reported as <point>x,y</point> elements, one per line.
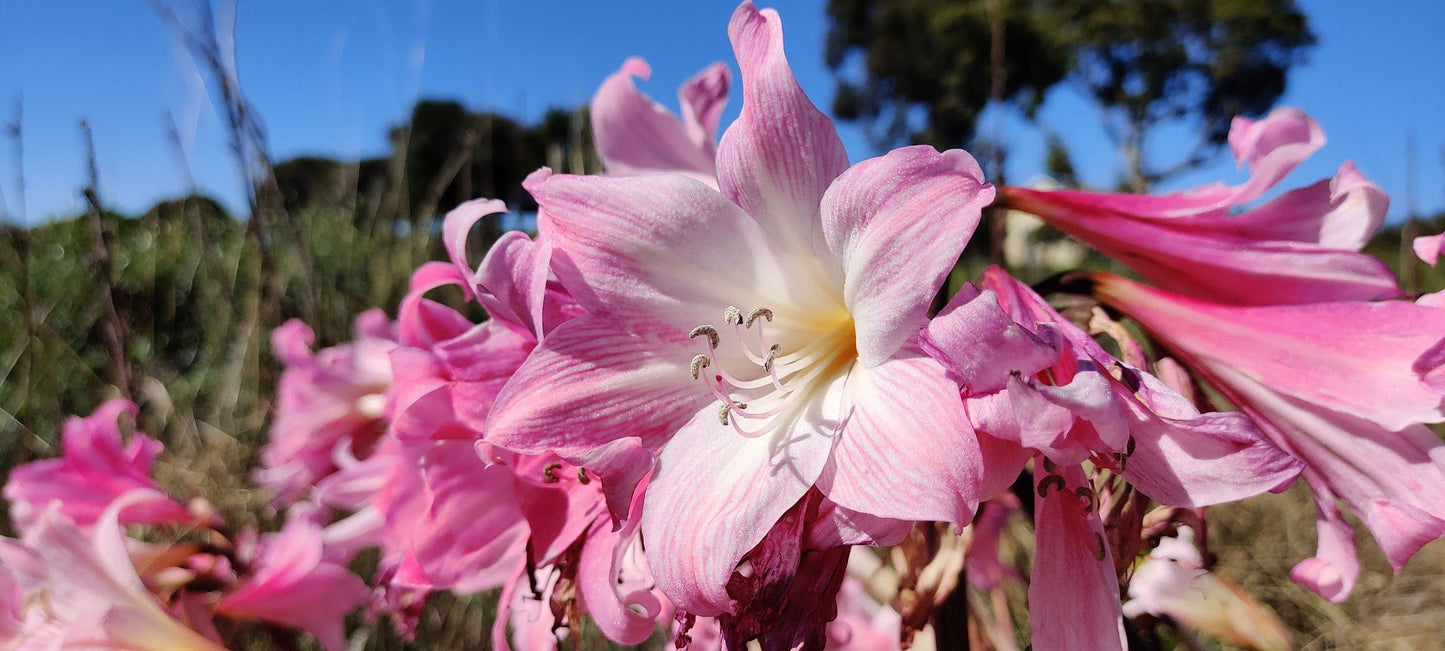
<point>1342,212</point>
<point>905,448</point>
<point>1301,247</point>
<point>837,526</point>
<point>1430,367</point>
<point>455,227</point>
<point>471,531</point>
<point>588,385</point>
<point>898,224</point>
<point>635,135</point>
<point>1184,458</point>
<point>662,254</point>
<point>625,612</point>
<point>715,494</point>
<point>781,154</point>
<point>981,345</point>
<point>703,97</point>
<point>1073,592</point>
<point>1353,357</point>
<point>511,283</point>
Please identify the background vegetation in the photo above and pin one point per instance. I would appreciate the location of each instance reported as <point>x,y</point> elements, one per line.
<point>173,307</point>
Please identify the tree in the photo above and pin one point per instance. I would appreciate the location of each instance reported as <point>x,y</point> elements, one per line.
<point>937,58</point>
<point>930,66</point>
<point>1153,61</point>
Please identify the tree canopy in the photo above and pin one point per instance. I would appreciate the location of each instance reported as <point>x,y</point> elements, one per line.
<point>923,70</point>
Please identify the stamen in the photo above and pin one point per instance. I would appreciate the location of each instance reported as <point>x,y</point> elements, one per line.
<point>713,339</point>
<point>722,413</point>
<point>549,473</point>
<point>1048,481</point>
<point>772,355</point>
<point>760,312</point>
<point>699,363</point>
<point>733,315</point>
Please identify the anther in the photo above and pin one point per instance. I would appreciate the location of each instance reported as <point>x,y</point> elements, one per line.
<point>1050,480</point>
<point>1099,553</point>
<point>760,312</point>
<point>712,336</point>
<point>772,354</point>
<point>722,413</point>
<point>549,473</point>
<point>732,315</point>
<point>582,477</point>
<point>1129,448</point>
<point>699,363</point>
<point>1088,497</point>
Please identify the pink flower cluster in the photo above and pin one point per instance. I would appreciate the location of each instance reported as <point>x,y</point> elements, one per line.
<point>716,377</point>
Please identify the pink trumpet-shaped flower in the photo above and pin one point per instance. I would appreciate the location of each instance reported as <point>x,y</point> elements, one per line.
<point>579,564</point>
<point>1300,247</point>
<point>451,520</point>
<point>78,589</point>
<point>762,339</point>
<point>635,135</point>
<point>1172,582</point>
<point>295,585</point>
<point>333,398</point>
<point>1334,384</point>
<point>1088,406</point>
<point>95,468</point>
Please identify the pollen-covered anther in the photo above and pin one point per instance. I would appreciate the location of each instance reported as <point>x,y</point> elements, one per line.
<point>713,339</point>
<point>1051,480</point>
<point>772,355</point>
<point>760,312</point>
<point>549,472</point>
<point>699,363</point>
<point>722,413</point>
<point>732,315</point>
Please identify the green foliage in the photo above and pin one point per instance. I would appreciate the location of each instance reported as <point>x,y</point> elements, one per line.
<point>929,66</point>
<point>934,57</point>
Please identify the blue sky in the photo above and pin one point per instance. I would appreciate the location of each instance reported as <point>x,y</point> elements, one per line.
<point>329,78</point>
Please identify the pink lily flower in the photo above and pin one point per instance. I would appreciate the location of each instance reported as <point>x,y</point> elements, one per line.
<point>95,468</point>
<point>806,385</point>
<point>1088,406</point>
<point>1172,582</point>
<point>1301,247</point>
<point>450,519</point>
<point>296,586</point>
<point>327,401</point>
<point>79,589</point>
<point>1335,385</point>
<point>636,136</point>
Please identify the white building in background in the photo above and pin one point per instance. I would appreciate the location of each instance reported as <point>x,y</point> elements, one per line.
<point>1024,248</point>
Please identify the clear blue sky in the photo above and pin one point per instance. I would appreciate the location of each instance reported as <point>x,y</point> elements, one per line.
<point>329,77</point>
